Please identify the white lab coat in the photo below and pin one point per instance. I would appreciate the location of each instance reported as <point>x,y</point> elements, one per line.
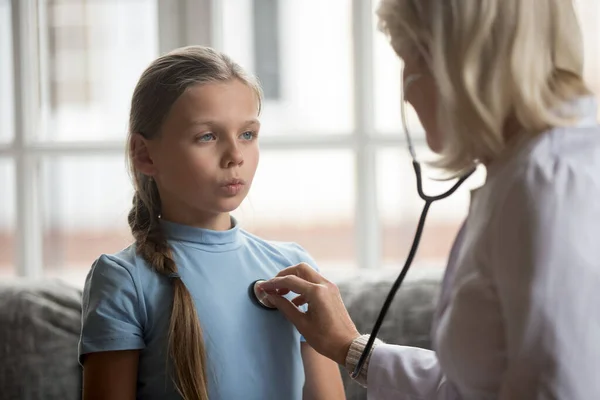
<point>519,313</point>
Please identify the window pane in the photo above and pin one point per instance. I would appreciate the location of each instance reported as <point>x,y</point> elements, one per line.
<point>7,219</point>
<point>400,207</point>
<point>92,53</point>
<point>85,206</point>
<point>306,70</point>
<point>306,197</point>
<point>589,13</point>
<point>6,74</point>
<point>388,88</point>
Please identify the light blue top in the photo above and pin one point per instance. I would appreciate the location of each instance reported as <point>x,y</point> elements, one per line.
<point>253,353</point>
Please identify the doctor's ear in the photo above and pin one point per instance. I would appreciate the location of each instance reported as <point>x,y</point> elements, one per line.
<point>139,154</point>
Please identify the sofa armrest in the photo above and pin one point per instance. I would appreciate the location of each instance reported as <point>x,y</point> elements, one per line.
<point>39,330</point>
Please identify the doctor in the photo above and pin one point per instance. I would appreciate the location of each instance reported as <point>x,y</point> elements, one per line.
<point>498,83</point>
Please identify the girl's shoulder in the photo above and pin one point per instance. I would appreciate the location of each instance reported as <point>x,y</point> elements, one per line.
<point>121,270</point>
<point>127,259</point>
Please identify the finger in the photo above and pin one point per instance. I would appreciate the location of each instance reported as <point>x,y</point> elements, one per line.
<point>290,282</point>
<point>299,300</point>
<point>289,310</point>
<point>280,292</point>
<point>304,271</point>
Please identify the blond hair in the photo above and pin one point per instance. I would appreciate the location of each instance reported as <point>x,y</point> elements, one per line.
<point>495,62</point>
<point>158,88</point>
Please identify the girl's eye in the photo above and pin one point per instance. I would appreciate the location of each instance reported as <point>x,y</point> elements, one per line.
<point>206,138</point>
<point>249,135</point>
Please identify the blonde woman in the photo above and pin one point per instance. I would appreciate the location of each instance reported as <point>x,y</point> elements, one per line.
<point>498,83</point>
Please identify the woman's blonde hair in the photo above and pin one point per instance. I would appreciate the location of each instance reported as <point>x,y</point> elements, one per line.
<point>158,88</point>
<point>495,62</point>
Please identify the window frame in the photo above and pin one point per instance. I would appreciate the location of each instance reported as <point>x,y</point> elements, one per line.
<point>180,23</point>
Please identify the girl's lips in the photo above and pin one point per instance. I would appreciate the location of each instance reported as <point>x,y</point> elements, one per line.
<point>232,189</point>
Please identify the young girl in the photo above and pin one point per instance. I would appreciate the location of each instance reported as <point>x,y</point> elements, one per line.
<point>170,317</point>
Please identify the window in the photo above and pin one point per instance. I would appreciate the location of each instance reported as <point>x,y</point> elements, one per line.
<point>7,218</point>
<point>589,12</point>
<point>78,62</point>
<point>388,89</point>
<point>309,203</point>
<point>6,76</point>
<point>7,170</point>
<point>84,204</point>
<point>334,174</point>
<point>310,61</point>
<point>91,57</point>
<point>267,46</point>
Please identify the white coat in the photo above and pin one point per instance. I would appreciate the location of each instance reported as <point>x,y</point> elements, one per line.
<point>519,313</point>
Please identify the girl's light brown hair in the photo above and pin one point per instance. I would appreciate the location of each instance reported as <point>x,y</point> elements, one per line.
<point>158,88</point>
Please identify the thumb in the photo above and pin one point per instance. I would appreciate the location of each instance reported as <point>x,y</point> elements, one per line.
<point>288,309</point>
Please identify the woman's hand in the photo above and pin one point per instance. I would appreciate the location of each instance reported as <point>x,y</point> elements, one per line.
<point>326,325</point>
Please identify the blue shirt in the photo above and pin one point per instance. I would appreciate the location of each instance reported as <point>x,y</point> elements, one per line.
<point>252,353</point>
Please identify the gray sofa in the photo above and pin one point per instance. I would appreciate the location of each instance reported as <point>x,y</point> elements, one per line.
<point>39,329</point>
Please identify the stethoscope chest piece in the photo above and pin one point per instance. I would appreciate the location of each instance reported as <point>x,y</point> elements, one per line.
<point>258,297</point>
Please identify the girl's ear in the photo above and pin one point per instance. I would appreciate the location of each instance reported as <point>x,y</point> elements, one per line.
<point>140,155</point>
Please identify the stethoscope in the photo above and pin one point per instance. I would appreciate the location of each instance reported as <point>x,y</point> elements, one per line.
<point>259,296</point>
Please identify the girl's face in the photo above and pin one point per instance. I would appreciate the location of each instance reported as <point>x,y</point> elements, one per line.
<point>206,155</point>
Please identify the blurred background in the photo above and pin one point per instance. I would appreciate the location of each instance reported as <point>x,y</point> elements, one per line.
<point>334,175</point>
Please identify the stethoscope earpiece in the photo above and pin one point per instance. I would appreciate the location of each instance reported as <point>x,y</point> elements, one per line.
<point>258,297</point>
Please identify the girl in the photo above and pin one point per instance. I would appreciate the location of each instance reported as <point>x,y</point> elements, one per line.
<point>170,317</point>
